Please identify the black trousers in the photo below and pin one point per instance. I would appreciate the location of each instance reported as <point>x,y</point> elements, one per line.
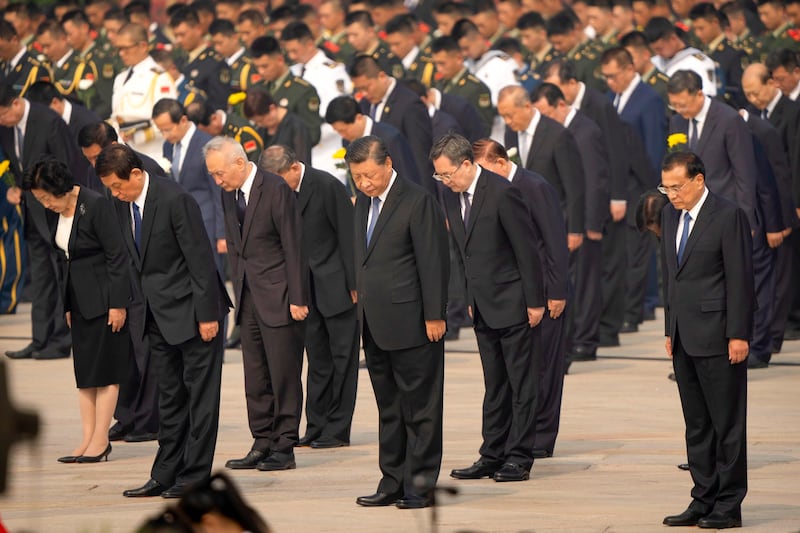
<point>48,325</point>
<point>587,305</point>
<point>551,380</point>
<point>273,364</point>
<point>763,272</point>
<point>615,264</point>
<point>189,377</point>
<point>782,275</point>
<point>640,246</point>
<point>409,389</point>
<point>714,400</point>
<point>509,357</point>
<point>332,351</point>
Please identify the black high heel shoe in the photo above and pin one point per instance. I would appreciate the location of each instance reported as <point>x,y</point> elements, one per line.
<point>68,459</point>
<point>95,458</point>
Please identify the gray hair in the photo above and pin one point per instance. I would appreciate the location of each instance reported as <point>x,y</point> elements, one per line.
<point>364,148</point>
<point>277,159</point>
<point>226,145</point>
<point>684,80</point>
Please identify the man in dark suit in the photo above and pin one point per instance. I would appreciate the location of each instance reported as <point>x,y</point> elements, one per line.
<point>708,315</point>
<point>547,148</point>
<point>551,235</point>
<point>458,107</point>
<point>584,315</point>
<point>495,236</point>
<point>389,101</point>
<point>642,109</point>
<point>331,330</point>
<point>402,266</point>
<point>185,303</point>
<point>28,132</point>
<point>344,115</point>
<point>270,273</point>
<point>183,147</point>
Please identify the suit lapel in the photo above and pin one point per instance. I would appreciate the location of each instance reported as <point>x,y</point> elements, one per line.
<point>700,225</point>
<point>124,215</point>
<point>362,214</point>
<point>392,201</point>
<point>306,191</point>
<point>252,202</point>
<point>453,206</point>
<point>79,212</point>
<point>708,130</point>
<point>229,210</point>
<point>540,130</point>
<point>477,202</point>
<point>670,233</point>
<point>150,208</point>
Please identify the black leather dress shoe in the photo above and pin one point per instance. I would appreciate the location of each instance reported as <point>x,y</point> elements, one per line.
<point>608,342</point>
<point>277,461</point>
<point>512,472</point>
<point>25,353</point>
<point>47,353</point>
<point>580,353</point>
<point>671,376</point>
<point>412,503</point>
<point>451,335</point>
<point>117,432</point>
<point>68,459</point>
<point>247,462</point>
<point>719,521</point>
<point>754,362</point>
<point>683,466</point>
<point>306,440</point>
<point>379,499</point>
<point>175,491</point>
<point>140,437</point>
<point>478,470</point>
<point>687,518</point>
<point>629,327</point>
<point>325,442</point>
<point>149,489</point>
<point>233,343</point>
<point>539,453</point>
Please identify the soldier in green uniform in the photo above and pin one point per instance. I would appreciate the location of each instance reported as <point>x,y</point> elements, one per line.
<point>17,66</point>
<point>23,16</point>
<point>636,44</point>
<point>779,28</point>
<point>600,18</point>
<point>364,39</point>
<point>333,39</point>
<point>400,36</point>
<point>533,36</point>
<point>64,64</point>
<point>452,77</point>
<point>221,123</point>
<point>243,73</point>
<point>288,91</point>
<point>204,68</point>
<point>250,26</point>
<point>568,38</point>
<point>740,35</point>
<point>486,18</point>
<point>96,87</point>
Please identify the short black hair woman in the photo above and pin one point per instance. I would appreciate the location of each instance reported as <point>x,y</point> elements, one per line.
<point>96,291</point>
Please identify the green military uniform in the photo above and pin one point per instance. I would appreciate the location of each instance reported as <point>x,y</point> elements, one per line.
<point>783,37</point>
<point>388,62</point>
<point>499,34</point>
<point>243,76</point>
<point>425,45</point>
<point>25,73</point>
<point>102,69</point>
<point>609,40</point>
<point>538,62</point>
<point>658,81</point>
<point>69,74</point>
<point>299,97</point>
<point>209,73</point>
<point>422,69</point>
<point>243,132</point>
<point>586,58</point>
<point>750,44</point>
<point>473,91</point>
<point>338,47</point>
<point>731,63</point>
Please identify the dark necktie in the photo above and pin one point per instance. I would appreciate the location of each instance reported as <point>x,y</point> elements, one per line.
<point>376,205</point>
<point>241,206</point>
<point>176,161</point>
<point>692,134</point>
<point>764,114</point>
<point>687,218</point>
<point>137,226</point>
<point>617,100</point>
<point>372,109</point>
<point>20,143</point>
<point>467,207</point>
<point>129,76</point>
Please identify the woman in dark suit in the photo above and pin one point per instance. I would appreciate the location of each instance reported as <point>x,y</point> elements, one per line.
<point>96,290</point>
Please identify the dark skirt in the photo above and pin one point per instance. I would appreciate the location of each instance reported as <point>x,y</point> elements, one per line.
<point>99,356</point>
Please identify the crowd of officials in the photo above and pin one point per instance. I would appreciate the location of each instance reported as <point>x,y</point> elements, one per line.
<point>494,156</point>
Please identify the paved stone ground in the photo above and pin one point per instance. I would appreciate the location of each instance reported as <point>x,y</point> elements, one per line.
<point>614,469</point>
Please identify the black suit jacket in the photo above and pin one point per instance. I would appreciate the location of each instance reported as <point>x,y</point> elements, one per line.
<point>499,251</point>
<point>726,148</point>
<point>594,158</point>
<point>406,112</point>
<point>644,111</point>
<point>710,296</point>
<point>149,165</point>
<point>97,268</point>
<point>80,117</point>
<point>327,238</point>
<point>267,253</point>
<point>194,177</point>
<point>465,113</point>
<point>545,209</point>
<point>786,118</point>
<point>176,264</point>
<point>775,208</point>
<point>402,275</point>
<point>552,155</point>
<point>444,123</point>
<point>597,107</point>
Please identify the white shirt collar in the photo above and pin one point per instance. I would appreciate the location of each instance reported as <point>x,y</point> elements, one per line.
<point>143,195</point>
<point>382,103</point>
<point>513,172</point>
<point>410,57</point>
<point>437,97</point>
<point>579,97</point>
<point>701,116</point>
<point>187,137</point>
<point>694,211</point>
<point>382,196</point>
<point>534,123</point>
<point>368,122</point>
<point>628,91</point>
<point>248,182</point>
<point>570,116</point>
<point>67,115</point>
<point>302,173</point>
<point>235,57</point>
<point>795,92</point>
<point>771,105</point>
<point>64,59</point>
<point>474,185</point>
<point>16,59</point>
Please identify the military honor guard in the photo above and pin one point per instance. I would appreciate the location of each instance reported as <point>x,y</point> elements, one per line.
<point>364,39</point>
<point>17,66</point>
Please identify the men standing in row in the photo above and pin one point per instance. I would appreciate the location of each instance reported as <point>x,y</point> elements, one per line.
<point>492,228</point>
<point>270,275</point>
<point>331,338</point>
<point>185,303</point>
<point>402,269</point>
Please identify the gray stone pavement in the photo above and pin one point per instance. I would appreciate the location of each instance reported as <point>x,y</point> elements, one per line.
<point>614,469</point>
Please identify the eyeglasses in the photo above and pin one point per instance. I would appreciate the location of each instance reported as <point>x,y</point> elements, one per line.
<point>675,189</point>
<point>447,176</point>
